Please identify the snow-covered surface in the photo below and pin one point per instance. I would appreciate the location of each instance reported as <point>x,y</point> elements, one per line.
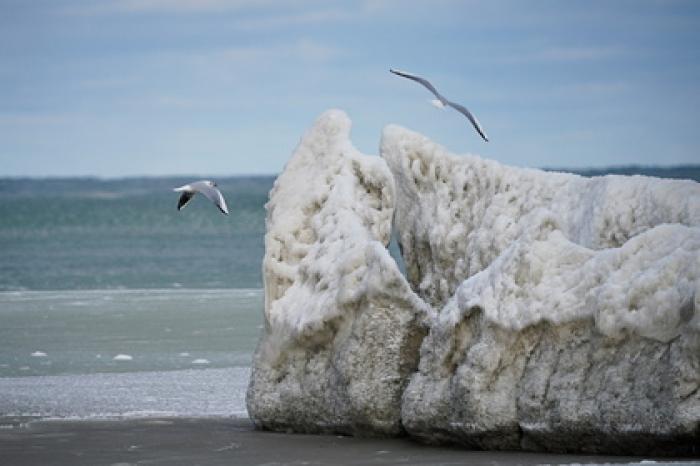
<point>334,297</point>
<point>329,220</point>
<point>562,301</point>
<point>328,205</point>
<point>545,246</point>
<point>646,286</point>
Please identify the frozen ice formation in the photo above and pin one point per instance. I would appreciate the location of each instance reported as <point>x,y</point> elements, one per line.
<point>568,306</point>
<point>541,311</point>
<point>456,214</point>
<point>342,326</point>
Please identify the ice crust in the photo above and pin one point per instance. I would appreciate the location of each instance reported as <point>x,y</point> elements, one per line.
<point>544,246</point>
<point>568,306</point>
<point>540,310</point>
<point>330,208</point>
<point>334,297</point>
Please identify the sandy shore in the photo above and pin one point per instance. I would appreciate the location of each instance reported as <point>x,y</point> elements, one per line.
<point>175,441</point>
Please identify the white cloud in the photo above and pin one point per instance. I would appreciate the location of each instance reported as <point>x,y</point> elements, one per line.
<point>294,19</point>
<point>596,88</point>
<point>182,103</point>
<point>16,120</point>
<point>107,82</point>
<point>178,6</point>
<point>578,53</point>
<point>399,6</point>
<point>309,50</point>
<point>537,53</point>
<point>303,49</point>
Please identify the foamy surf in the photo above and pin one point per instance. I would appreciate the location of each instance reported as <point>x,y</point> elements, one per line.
<point>184,393</point>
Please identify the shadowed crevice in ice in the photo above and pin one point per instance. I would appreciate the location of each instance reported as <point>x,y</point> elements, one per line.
<point>395,252</point>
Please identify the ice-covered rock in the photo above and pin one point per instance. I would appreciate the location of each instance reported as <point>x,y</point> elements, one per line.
<point>566,309</point>
<point>569,315</point>
<point>342,326</point>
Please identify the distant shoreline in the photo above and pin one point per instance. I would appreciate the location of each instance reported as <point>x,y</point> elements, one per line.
<point>662,171</point>
<point>690,172</point>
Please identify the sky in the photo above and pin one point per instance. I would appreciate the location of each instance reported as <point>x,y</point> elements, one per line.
<point>117,88</point>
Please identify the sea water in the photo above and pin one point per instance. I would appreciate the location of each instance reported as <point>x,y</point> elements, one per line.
<point>88,331</point>
<point>72,234</point>
<point>113,303</point>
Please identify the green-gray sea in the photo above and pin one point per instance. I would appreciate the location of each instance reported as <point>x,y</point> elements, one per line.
<point>113,303</point>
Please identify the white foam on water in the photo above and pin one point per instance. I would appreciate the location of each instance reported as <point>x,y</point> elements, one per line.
<point>640,463</point>
<point>123,357</point>
<point>38,354</point>
<point>178,393</point>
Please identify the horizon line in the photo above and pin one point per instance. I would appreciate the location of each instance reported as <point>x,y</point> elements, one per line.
<point>270,175</point>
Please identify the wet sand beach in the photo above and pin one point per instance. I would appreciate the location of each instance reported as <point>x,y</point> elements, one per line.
<point>214,441</point>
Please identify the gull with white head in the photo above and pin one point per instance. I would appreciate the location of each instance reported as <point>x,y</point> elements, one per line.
<point>442,102</point>
<point>205,187</point>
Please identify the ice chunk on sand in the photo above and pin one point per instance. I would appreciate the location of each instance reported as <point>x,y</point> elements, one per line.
<point>342,325</point>
<point>562,300</point>
<point>568,313</point>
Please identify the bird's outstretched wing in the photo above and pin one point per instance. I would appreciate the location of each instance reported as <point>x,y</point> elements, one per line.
<point>215,196</point>
<point>460,108</point>
<point>463,110</point>
<point>184,199</point>
<point>422,81</point>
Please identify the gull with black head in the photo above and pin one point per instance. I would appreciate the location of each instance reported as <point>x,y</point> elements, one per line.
<point>205,187</point>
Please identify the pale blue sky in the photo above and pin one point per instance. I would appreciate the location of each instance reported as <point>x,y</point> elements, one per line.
<point>158,87</point>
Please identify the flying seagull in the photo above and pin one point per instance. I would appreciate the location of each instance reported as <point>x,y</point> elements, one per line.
<point>442,102</point>
<point>206,187</point>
